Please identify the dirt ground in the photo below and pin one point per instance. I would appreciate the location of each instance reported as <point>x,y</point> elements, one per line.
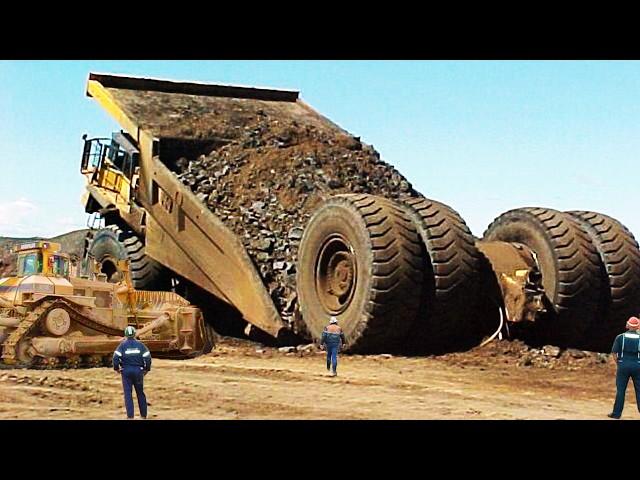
<point>244,380</point>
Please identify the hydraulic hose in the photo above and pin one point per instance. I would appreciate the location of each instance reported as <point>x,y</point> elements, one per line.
<point>502,317</point>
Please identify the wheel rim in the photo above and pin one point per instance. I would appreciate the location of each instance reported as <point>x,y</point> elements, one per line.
<point>336,274</point>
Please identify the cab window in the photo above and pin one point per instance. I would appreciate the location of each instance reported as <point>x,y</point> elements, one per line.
<point>60,266</point>
<point>30,264</point>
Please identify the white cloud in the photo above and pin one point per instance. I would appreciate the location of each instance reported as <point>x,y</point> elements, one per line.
<point>18,217</point>
<point>24,218</point>
<point>65,224</point>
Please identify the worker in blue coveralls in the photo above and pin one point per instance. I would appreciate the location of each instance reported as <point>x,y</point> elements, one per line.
<point>333,339</point>
<point>626,351</point>
<point>133,360</point>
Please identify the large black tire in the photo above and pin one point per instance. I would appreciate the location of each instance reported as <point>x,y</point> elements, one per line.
<point>448,314</point>
<point>362,260</point>
<point>570,267</point>
<point>111,244</point>
<point>620,256</point>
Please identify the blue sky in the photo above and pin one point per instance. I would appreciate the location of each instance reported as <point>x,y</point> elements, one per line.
<point>484,137</point>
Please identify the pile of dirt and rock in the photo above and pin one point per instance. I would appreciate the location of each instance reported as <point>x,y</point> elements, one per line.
<point>266,182</point>
<point>249,348</point>
<point>519,354</point>
<point>496,355</point>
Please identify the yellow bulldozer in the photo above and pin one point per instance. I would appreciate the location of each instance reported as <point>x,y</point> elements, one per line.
<point>50,319</point>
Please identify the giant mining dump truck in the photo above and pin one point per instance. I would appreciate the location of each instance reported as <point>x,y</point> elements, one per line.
<point>271,218</point>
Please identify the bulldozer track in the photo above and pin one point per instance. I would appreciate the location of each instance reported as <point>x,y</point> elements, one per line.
<point>9,346</point>
<point>31,321</point>
<point>83,320</point>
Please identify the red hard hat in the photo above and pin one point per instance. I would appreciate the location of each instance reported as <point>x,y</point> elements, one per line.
<point>633,322</point>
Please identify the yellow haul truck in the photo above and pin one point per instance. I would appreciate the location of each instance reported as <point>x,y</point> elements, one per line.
<point>48,318</point>
<point>390,270</point>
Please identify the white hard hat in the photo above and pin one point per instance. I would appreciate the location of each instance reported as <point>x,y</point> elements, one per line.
<point>333,320</point>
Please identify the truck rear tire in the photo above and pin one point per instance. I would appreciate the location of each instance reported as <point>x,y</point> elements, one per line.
<point>448,315</point>
<point>570,267</point>
<point>361,260</point>
<point>111,244</point>
<point>620,256</point>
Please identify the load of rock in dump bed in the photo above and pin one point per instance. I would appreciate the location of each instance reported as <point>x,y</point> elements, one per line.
<point>266,182</point>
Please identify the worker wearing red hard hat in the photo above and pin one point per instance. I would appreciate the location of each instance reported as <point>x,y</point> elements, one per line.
<point>333,339</point>
<point>626,347</point>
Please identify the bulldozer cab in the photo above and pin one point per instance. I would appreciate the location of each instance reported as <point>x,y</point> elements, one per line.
<point>42,258</point>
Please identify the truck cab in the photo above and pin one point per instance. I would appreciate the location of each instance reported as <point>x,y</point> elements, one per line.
<point>112,167</point>
<point>118,152</point>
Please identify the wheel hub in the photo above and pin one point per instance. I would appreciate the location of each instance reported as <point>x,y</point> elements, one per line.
<point>335,274</point>
<point>340,272</point>
<point>58,322</point>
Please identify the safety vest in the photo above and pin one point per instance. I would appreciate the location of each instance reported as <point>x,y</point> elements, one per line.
<point>631,336</point>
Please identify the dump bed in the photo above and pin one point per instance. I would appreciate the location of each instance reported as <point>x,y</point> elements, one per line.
<point>174,119</point>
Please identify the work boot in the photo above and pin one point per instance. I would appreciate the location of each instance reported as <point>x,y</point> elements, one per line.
<point>612,415</point>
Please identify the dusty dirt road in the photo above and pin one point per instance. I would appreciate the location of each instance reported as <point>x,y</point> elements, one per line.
<point>243,380</point>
